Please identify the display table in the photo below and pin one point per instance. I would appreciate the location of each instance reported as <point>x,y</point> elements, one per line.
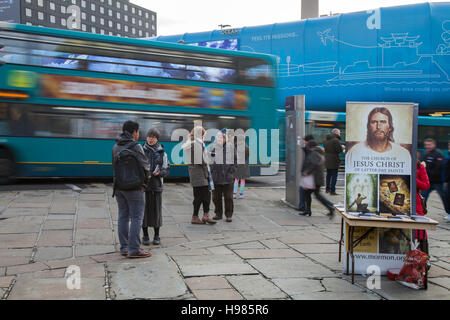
<point>374,222</point>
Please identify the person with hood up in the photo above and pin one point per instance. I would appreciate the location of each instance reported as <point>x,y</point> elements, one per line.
<point>314,165</point>
<point>159,169</point>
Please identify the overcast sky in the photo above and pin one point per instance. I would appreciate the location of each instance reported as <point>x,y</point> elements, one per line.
<point>180,16</point>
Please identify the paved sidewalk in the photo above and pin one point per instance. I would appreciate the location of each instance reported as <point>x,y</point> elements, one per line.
<point>267,252</point>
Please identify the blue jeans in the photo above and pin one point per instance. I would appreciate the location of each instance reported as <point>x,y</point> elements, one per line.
<point>439,187</point>
<point>131,213</point>
<point>332,175</point>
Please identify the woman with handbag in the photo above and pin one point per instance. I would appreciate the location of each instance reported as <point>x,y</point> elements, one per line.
<point>313,177</point>
<point>423,183</point>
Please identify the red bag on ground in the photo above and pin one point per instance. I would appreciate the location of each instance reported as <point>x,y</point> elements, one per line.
<point>413,272</point>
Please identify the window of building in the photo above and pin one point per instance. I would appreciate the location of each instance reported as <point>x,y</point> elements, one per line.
<point>110,12</point>
<point>147,25</point>
<point>153,27</point>
<point>28,1</point>
<point>74,1</point>
<point>133,30</point>
<point>63,21</point>
<point>126,28</point>
<point>133,20</point>
<point>52,6</point>
<point>93,18</point>
<point>119,27</point>
<point>40,3</point>
<point>146,15</point>
<point>140,33</point>
<point>102,21</point>
<point>83,15</point>
<point>102,31</point>
<point>110,2</point>
<point>140,23</point>
<point>40,15</point>
<point>93,30</point>
<point>28,12</point>
<point>118,5</point>
<point>92,7</point>
<point>118,15</point>
<point>52,19</point>
<point>153,17</point>
<point>125,6</point>
<point>133,10</point>
<point>102,10</point>
<point>63,9</point>
<point>140,12</point>
<point>125,17</point>
<point>83,27</point>
<point>110,23</point>
<point>83,3</point>
<point>147,34</point>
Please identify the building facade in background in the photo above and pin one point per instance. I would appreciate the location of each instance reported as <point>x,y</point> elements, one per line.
<point>109,17</point>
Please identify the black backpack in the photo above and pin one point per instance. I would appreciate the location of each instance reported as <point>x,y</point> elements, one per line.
<point>128,172</point>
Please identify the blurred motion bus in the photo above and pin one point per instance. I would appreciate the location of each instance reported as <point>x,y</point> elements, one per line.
<point>320,123</point>
<point>64,96</point>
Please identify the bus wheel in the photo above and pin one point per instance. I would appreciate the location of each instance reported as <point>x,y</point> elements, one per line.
<point>7,168</point>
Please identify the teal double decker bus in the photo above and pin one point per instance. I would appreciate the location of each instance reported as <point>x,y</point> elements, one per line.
<point>64,96</point>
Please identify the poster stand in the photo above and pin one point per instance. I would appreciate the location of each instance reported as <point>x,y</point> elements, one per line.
<point>380,183</point>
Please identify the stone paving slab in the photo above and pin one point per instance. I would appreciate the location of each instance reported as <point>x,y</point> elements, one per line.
<point>16,212</point>
<point>316,248</point>
<point>267,253</point>
<point>15,228</point>
<point>146,280</point>
<point>26,268</point>
<point>56,289</point>
<point>94,236</point>
<point>248,245</point>
<point>290,268</point>
<point>5,282</point>
<point>207,283</point>
<point>58,225</point>
<point>219,294</point>
<point>53,253</point>
<point>256,288</point>
<point>25,240</point>
<point>55,238</point>
<point>90,250</point>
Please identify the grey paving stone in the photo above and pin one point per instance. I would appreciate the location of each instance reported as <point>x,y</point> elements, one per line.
<point>31,220</point>
<point>16,212</point>
<point>158,278</point>
<point>92,213</point>
<point>53,253</point>
<point>5,282</point>
<point>248,245</point>
<point>274,244</point>
<point>63,210</point>
<point>58,225</point>
<point>331,260</point>
<point>216,269</point>
<point>290,268</point>
<point>93,236</point>
<point>55,238</point>
<point>56,289</point>
<point>91,204</point>
<point>93,223</point>
<point>25,240</point>
<point>89,250</point>
<point>9,228</point>
<point>207,283</point>
<point>443,282</point>
<point>218,294</point>
<point>267,253</point>
<point>316,248</point>
<point>298,286</point>
<point>256,287</point>
<point>333,296</point>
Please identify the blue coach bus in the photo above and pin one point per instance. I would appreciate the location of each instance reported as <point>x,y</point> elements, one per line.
<point>64,96</point>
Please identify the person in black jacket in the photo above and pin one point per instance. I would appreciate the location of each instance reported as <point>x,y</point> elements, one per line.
<point>159,169</point>
<point>314,165</point>
<point>131,203</point>
<point>333,149</point>
<point>434,160</point>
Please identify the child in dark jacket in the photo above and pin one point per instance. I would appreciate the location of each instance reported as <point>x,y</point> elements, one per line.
<point>159,169</point>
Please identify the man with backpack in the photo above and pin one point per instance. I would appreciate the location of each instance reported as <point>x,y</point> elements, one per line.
<point>131,169</point>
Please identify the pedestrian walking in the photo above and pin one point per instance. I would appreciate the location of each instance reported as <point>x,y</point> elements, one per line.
<point>422,184</point>
<point>199,175</point>
<point>159,169</point>
<point>434,160</point>
<point>222,170</point>
<point>301,191</point>
<point>314,169</point>
<point>130,169</point>
<point>333,149</point>
<point>242,168</point>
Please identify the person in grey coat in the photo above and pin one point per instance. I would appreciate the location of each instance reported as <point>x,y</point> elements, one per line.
<point>199,175</point>
<point>222,170</point>
<point>314,165</point>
